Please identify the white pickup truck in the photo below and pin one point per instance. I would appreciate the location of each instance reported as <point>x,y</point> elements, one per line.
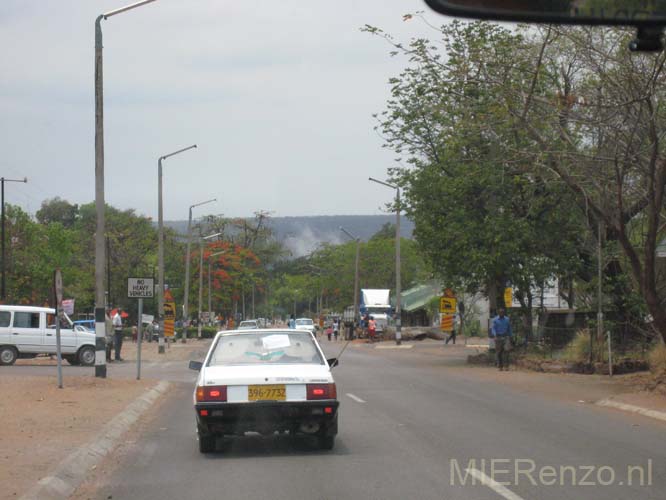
<point>26,331</point>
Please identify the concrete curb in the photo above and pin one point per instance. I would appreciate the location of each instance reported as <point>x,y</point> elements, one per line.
<point>659,415</point>
<point>71,472</point>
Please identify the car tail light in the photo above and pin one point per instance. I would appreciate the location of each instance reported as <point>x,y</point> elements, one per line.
<point>212,393</point>
<point>321,391</point>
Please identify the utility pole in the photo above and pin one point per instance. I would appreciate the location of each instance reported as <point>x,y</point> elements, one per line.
<point>100,313</point>
<point>398,282</point>
<point>356,263</point>
<point>186,299</point>
<point>160,246</point>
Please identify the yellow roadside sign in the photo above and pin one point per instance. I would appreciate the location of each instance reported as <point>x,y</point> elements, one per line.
<point>447,323</point>
<point>447,305</point>
<point>170,310</point>
<point>508,296</point>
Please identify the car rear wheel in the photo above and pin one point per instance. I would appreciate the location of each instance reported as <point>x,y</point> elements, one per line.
<point>8,355</point>
<point>326,442</point>
<point>206,444</point>
<point>86,356</point>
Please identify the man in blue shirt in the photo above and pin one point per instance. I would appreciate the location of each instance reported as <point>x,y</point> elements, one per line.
<point>501,332</point>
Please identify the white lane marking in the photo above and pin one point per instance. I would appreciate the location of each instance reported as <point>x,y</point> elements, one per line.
<point>493,485</point>
<point>659,415</point>
<point>355,398</point>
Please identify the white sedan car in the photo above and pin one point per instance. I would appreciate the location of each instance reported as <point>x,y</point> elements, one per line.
<point>265,381</point>
<point>306,324</point>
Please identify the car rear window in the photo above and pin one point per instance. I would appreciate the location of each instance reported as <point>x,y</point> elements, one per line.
<point>265,348</point>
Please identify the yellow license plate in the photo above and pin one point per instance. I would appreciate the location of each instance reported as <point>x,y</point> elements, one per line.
<point>267,392</point>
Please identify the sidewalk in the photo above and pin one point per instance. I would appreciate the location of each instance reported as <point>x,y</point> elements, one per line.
<point>42,424</point>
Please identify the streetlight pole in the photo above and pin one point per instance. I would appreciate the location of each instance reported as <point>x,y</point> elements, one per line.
<point>100,324</point>
<point>3,291</point>
<point>160,246</point>
<point>210,302</point>
<point>201,241</point>
<point>186,299</point>
<point>398,283</point>
<point>358,252</point>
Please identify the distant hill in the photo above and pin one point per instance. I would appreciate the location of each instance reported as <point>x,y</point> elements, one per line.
<point>302,235</point>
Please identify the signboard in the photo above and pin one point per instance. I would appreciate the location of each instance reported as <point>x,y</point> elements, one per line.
<point>508,296</point>
<point>169,319</point>
<point>170,310</point>
<point>447,305</point>
<point>147,318</point>
<point>140,288</point>
<point>68,306</point>
<point>447,322</point>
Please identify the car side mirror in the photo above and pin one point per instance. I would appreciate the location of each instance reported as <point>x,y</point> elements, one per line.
<point>332,362</point>
<point>196,365</point>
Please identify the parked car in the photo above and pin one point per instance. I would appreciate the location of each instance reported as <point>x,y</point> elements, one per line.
<point>306,324</point>
<point>265,381</point>
<point>249,324</point>
<point>27,331</point>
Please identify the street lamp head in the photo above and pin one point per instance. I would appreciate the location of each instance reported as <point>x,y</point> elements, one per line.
<point>372,179</point>
<point>107,15</point>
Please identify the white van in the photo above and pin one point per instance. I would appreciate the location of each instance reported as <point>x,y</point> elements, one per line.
<point>26,331</point>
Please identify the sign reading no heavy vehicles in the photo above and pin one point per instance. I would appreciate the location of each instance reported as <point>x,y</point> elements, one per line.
<point>140,288</point>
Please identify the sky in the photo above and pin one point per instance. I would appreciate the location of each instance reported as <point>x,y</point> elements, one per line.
<point>278,96</point>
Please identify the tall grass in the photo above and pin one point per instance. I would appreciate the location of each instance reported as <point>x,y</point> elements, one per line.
<point>657,360</point>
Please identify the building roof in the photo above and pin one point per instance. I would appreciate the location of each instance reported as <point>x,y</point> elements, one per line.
<point>419,296</point>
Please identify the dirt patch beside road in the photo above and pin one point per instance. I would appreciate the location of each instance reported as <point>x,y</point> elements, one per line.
<point>42,424</point>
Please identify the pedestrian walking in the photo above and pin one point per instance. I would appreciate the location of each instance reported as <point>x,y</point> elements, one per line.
<point>292,322</point>
<point>501,332</point>
<point>118,334</point>
<point>108,334</point>
<point>372,328</point>
<point>329,332</point>
<point>452,336</point>
<point>336,328</point>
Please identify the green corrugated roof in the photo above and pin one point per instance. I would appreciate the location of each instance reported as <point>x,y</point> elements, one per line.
<point>419,296</point>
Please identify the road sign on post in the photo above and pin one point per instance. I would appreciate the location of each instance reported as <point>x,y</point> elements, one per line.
<point>140,288</point>
<point>169,318</point>
<point>447,305</point>
<point>447,323</point>
<point>57,285</point>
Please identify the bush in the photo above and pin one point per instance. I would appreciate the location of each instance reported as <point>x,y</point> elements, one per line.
<point>578,350</point>
<point>657,360</point>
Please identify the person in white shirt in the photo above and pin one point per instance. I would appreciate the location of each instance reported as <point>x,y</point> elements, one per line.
<point>118,334</point>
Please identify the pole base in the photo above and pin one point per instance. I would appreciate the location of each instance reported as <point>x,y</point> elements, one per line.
<point>100,371</point>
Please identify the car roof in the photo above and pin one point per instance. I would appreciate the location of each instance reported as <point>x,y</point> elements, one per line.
<point>254,331</point>
<point>27,309</point>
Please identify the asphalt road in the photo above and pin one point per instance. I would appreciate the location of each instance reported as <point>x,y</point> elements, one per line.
<point>404,418</point>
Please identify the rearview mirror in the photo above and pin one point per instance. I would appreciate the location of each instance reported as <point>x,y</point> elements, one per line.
<point>196,365</point>
<point>557,11</point>
<point>332,362</point>
<point>649,17</point>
